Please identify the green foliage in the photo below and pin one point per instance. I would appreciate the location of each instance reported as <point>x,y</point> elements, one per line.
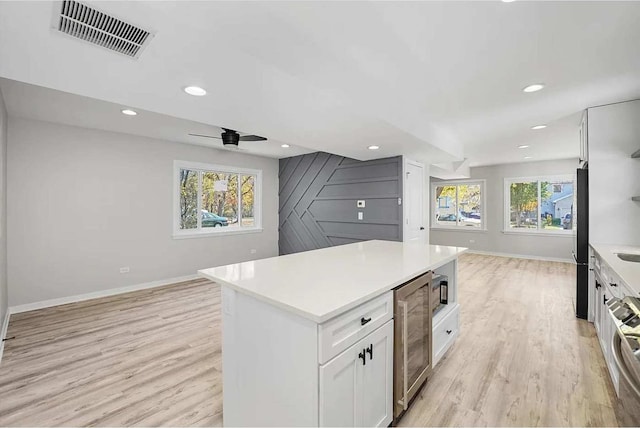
<point>188,199</point>
<point>221,202</point>
<point>469,196</point>
<point>524,198</point>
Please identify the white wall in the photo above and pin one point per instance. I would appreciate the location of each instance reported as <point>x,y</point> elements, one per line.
<point>3,214</point>
<point>494,240</point>
<point>614,177</point>
<point>83,203</point>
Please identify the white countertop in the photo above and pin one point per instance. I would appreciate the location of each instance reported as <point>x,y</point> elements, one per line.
<point>321,284</point>
<point>629,272</point>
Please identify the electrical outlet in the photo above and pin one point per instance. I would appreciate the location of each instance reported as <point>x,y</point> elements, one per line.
<point>361,204</point>
<point>360,215</point>
<point>252,251</point>
<point>124,269</point>
<point>472,241</point>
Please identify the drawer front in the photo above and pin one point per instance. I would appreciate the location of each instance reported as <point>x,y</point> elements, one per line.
<point>445,333</point>
<point>339,333</point>
<point>615,285</point>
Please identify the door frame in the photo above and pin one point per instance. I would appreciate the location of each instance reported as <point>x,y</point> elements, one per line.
<point>425,198</point>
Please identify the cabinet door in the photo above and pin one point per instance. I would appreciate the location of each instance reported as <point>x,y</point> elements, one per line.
<point>356,391</point>
<point>340,389</point>
<point>377,378</point>
<point>597,320</point>
<point>603,334</point>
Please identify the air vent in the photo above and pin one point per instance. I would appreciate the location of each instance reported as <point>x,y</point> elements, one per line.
<point>89,24</point>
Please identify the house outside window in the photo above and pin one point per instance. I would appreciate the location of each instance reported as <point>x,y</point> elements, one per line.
<point>458,205</point>
<point>540,204</point>
<point>215,200</point>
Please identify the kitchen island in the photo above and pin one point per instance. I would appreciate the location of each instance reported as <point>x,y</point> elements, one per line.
<point>299,333</point>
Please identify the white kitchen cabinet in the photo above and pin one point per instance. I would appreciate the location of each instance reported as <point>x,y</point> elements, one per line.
<point>294,328</point>
<point>605,289</point>
<point>445,333</point>
<point>340,385</point>
<point>446,322</point>
<point>377,378</point>
<point>613,135</point>
<point>355,386</point>
<point>598,304</point>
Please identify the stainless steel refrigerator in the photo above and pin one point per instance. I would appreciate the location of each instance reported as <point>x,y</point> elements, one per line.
<point>581,242</point>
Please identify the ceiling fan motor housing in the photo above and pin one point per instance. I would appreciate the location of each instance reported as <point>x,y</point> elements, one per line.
<point>230,138</point>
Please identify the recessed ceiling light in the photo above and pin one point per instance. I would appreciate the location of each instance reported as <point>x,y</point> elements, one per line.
<point>285,146</point>
<point>195,91</point>
<point>534,88</point>
<point>539,127</point>
<point>528,157</point>
<point>524,146</point>
<point>373,147</point>
<point>129,112</point>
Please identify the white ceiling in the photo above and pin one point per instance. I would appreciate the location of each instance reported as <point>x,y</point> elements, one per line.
<point>36,102</point>
<point>436,81</point>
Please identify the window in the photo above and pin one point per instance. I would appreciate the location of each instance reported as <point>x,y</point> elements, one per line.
<point>215,199</point>
<point>540,204</point>
<point>459,205</point>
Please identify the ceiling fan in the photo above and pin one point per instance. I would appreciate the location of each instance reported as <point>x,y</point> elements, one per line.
<point>231,138</point>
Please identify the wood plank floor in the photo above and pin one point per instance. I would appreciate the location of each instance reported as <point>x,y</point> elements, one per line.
<point>522,358</point>
<point>153,357</point>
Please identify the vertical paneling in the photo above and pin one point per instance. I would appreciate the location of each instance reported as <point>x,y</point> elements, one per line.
<point>318,196</point>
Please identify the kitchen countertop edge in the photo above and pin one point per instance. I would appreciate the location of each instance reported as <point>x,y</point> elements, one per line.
<point>629,272</point>
<point>321,318</point>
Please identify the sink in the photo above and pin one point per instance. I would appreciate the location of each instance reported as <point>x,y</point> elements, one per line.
<point>628,257</point>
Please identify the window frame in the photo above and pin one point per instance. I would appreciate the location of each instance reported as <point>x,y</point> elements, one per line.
<point>200,232</point>
<point>537,231</point>
<point>483,208</point>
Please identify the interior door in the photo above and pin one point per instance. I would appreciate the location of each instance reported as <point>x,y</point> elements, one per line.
<point>377,379</point>
<point>414,229</point>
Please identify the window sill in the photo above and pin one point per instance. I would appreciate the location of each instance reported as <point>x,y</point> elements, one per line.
<point>458,229</point>
<point>208,234</point>
<point>532,233</point>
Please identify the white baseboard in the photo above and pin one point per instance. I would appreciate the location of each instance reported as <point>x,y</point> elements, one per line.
<point>3,332</point>
<point>95,295</point>
<point>520,256</point>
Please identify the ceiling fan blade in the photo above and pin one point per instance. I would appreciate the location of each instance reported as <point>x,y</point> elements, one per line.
<point>252,138</point>
<point>205,136</point>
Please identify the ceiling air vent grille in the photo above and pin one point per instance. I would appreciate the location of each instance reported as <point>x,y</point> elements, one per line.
<point>87,23</point>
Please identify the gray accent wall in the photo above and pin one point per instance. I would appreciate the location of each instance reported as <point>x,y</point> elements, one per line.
<point>318,201</point>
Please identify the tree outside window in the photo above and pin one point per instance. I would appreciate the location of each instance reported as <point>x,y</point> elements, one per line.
<point>541,204</point>
<point>458,205</point>
<point>223,199</point>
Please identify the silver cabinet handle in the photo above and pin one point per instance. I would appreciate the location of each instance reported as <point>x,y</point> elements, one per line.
<point>405,352</point>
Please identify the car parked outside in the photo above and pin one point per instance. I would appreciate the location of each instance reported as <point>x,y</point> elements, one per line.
<point>213,220</point>
<point>473,219</point>
<point>567,221</point>
<point>447,217</point>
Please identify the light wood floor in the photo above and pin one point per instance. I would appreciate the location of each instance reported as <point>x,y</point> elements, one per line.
<point>147,358</point>
<point>153,357</point>
<point>522,358</point>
